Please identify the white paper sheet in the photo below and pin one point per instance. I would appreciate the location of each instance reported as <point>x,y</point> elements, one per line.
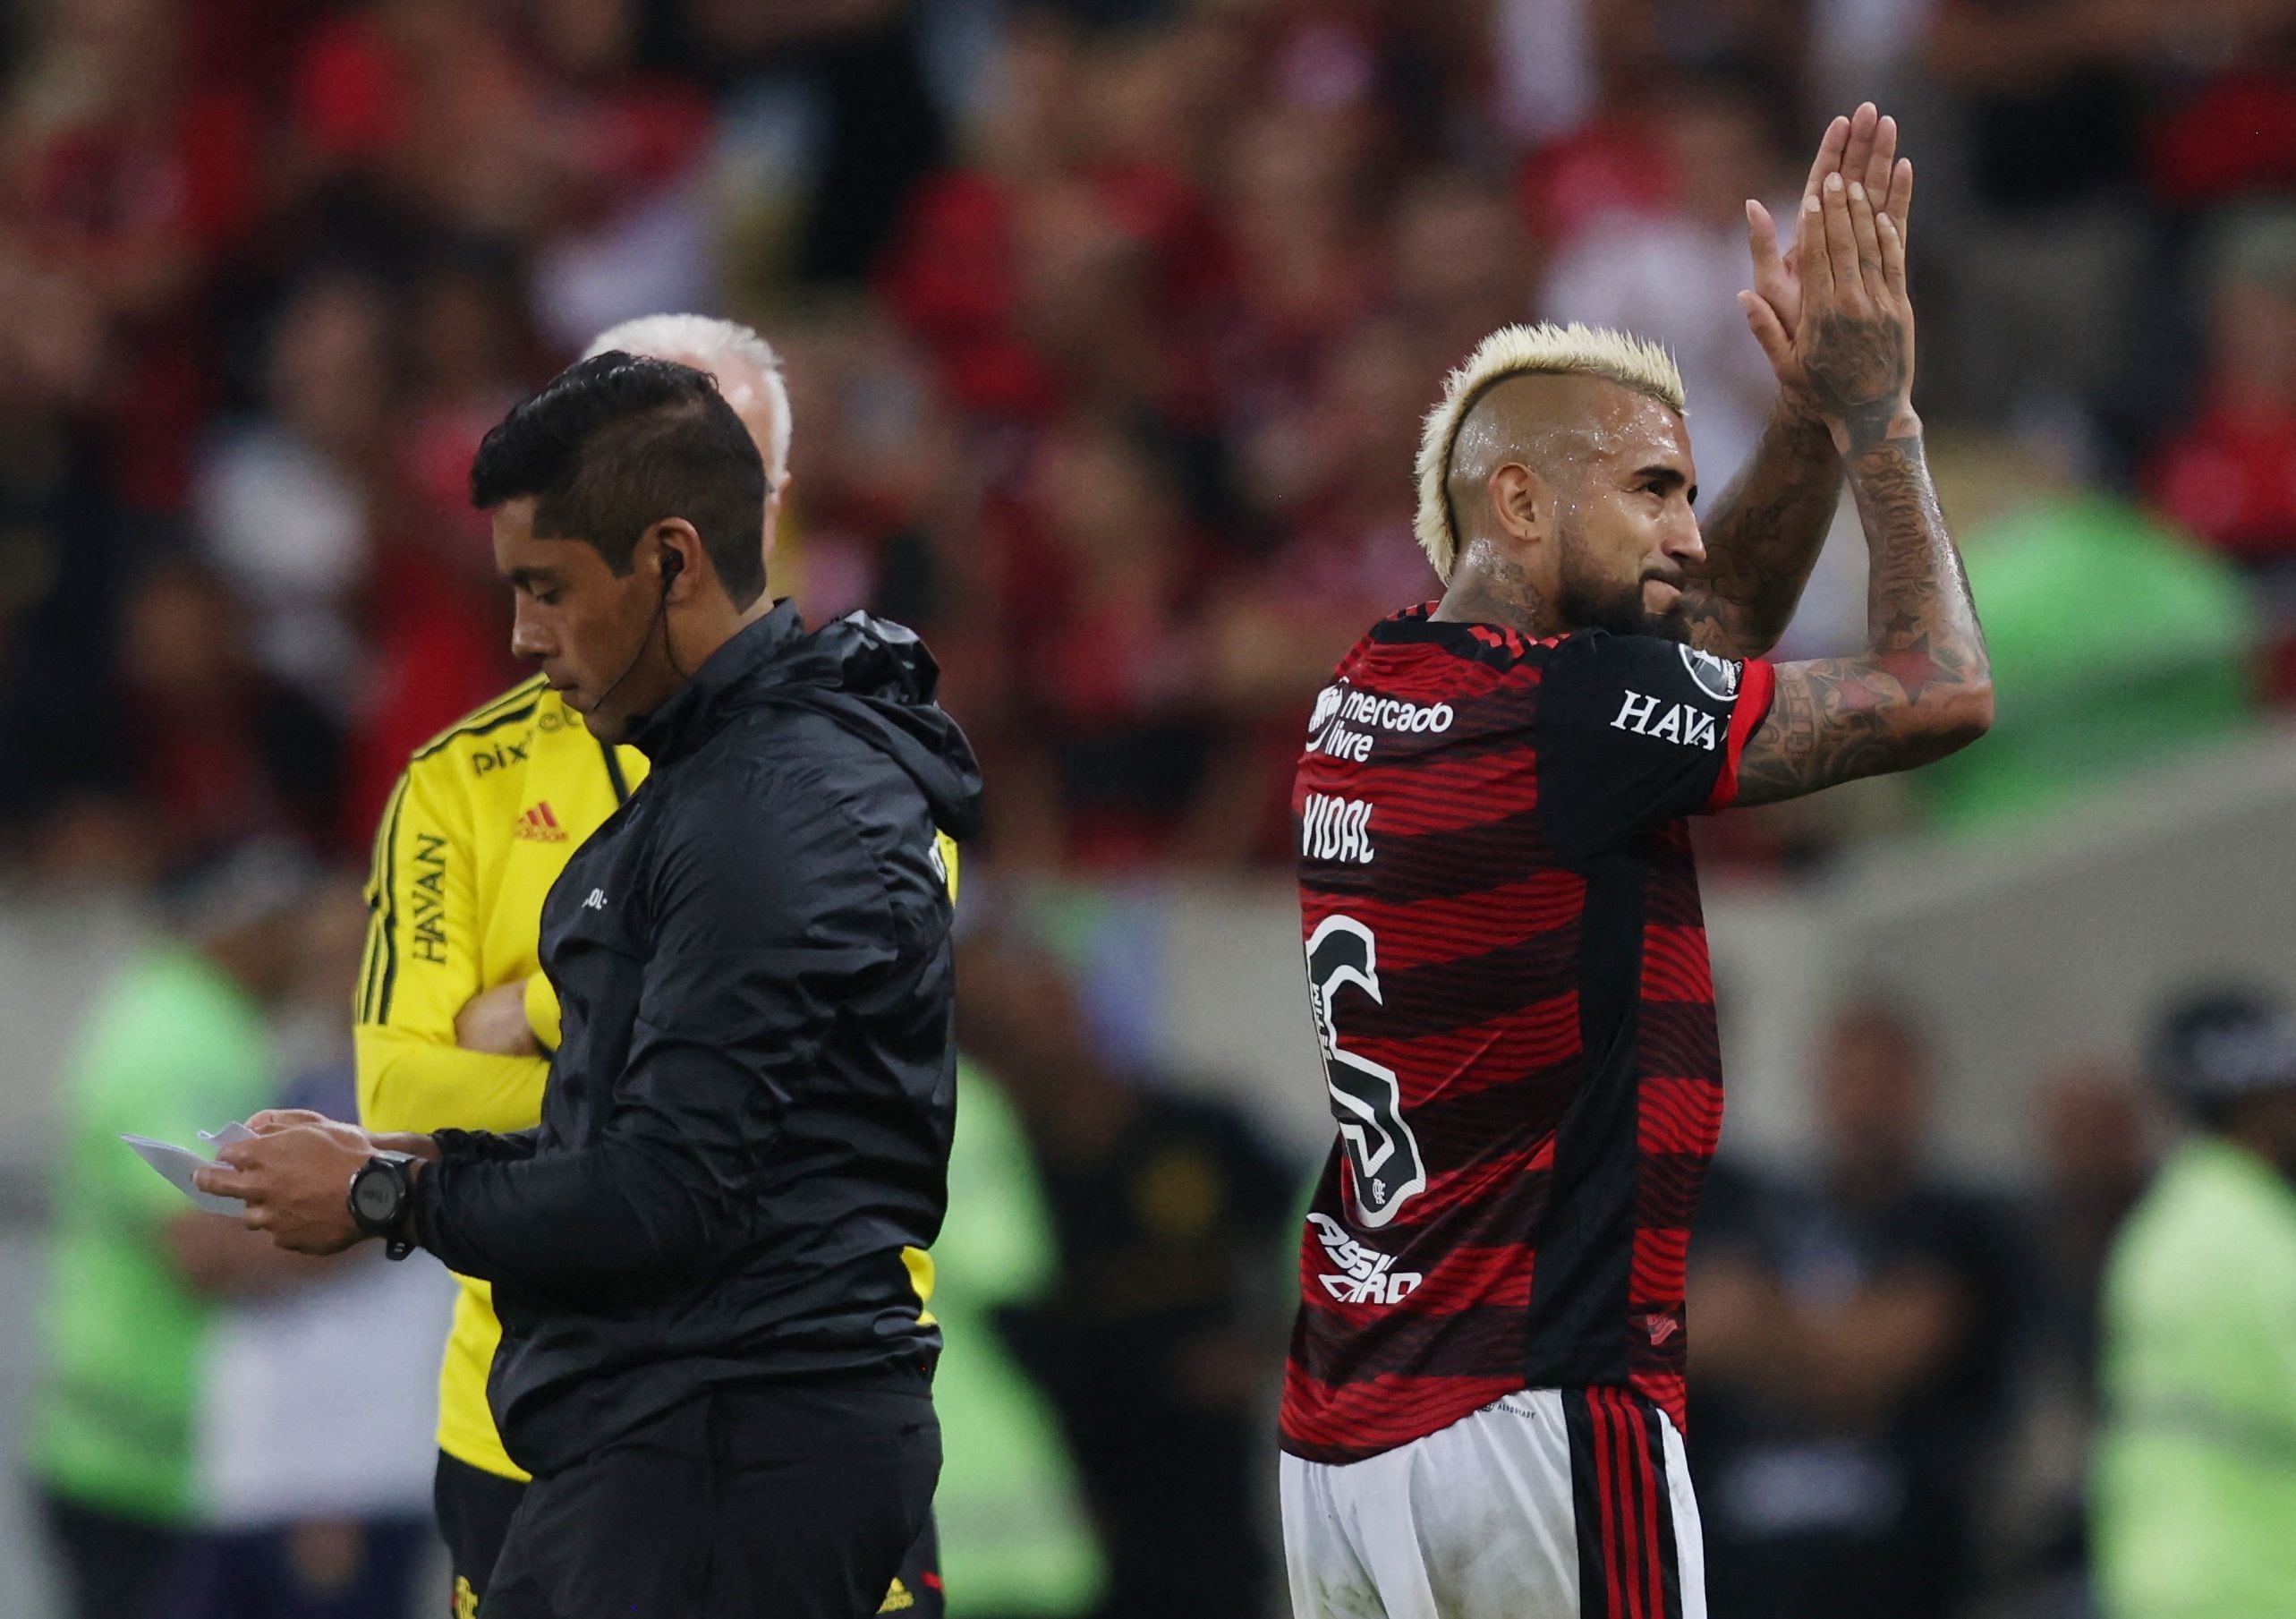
<point>178,1165</point>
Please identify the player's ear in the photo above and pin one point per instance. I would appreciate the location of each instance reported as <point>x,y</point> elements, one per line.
<point>1522,503</point>
<point>677,557</point>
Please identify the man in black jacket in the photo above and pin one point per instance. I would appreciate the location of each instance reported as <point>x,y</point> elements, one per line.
<point>715,1358</point>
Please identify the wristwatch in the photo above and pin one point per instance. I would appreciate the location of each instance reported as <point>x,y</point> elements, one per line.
<point>381,1193</point>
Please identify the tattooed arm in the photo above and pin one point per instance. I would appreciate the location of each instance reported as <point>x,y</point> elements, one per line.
<point>1923,688</point>
<point>1767,528</point>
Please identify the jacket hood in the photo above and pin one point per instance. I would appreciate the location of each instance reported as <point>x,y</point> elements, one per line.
<point>876,680</point>
<point>873,677</point>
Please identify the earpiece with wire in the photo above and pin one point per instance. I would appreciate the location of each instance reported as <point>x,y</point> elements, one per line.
<point>673,564</point>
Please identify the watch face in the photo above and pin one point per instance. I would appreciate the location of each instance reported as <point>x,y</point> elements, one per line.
<point>375,1195</point>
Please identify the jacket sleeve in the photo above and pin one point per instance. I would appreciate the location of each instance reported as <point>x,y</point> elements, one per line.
<point>770,917</point>
<point>487,1146</point>
<point>422,966</point>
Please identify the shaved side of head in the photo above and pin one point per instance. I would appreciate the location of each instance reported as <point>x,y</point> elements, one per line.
<point>1555,423</point>
<point>1541,421</point>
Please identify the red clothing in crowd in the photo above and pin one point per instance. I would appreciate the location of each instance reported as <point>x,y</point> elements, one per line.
<point>2230,478</point>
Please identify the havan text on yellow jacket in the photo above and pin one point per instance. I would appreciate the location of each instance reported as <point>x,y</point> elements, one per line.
<point>478,829</point>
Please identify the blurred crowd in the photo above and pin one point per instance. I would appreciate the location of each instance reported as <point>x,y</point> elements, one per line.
<point>1108,324</point>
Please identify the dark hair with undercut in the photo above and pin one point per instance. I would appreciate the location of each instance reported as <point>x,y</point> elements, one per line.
<point>613,444</point>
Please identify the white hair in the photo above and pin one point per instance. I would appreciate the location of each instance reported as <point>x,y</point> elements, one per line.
<point>1547,350</point>
<point>709,340</point>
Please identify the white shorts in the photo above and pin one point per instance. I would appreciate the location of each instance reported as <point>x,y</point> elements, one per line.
<point>1547,1505</point>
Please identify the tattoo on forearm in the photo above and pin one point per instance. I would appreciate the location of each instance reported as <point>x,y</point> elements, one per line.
<point>1767,529</point>
<point>1918,596</point>
<point>1835,720</point>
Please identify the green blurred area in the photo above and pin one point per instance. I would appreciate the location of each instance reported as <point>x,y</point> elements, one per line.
<point>2116,644</point>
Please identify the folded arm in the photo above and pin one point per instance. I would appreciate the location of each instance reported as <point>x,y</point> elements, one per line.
<point>410,1081</point>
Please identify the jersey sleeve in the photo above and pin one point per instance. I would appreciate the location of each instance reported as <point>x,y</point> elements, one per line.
<point>422,966</point>
<point>1634,731</point>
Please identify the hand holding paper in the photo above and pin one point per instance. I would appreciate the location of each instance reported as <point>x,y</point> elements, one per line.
<point>294,1173</point>
<point>178,1165</point>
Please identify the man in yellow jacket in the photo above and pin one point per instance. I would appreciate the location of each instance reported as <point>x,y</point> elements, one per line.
<point>455,1022</point>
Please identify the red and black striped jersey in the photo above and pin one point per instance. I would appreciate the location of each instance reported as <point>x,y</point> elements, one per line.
<point>1507,966</point>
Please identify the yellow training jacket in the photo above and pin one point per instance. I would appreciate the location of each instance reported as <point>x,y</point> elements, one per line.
<point>476,833</point>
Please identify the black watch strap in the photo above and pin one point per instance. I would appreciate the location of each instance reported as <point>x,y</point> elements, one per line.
<point>381,1197</point>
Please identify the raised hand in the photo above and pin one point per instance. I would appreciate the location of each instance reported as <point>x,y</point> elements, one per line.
<point>1765,529</point>
<point>1861,146</point>
<point>1856,341</point>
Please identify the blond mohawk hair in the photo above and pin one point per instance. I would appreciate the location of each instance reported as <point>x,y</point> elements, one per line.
<point>1547,350</point>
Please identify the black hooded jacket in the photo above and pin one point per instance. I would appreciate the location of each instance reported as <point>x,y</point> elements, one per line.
<point>745,1140</point>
